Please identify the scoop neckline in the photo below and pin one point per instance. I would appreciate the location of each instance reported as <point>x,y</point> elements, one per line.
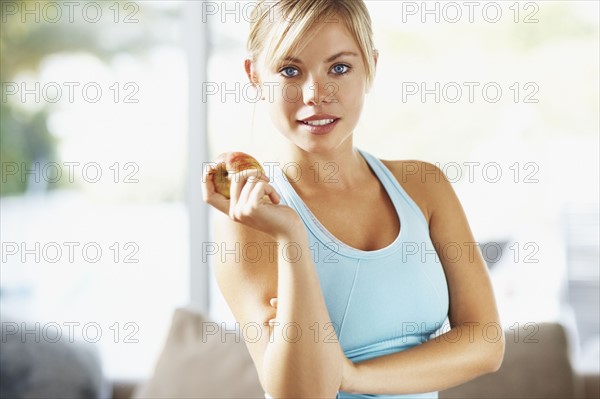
<point>327,238</point>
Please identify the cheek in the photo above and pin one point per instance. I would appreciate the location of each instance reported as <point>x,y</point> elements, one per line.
<point>282,110</point>
<point>351,96</point>
<point>288,98</point>
<point>357,86</point>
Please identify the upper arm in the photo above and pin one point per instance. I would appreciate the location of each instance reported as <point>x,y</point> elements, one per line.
<point>470,288</point>
<point>469,284</point>
<point>246,273</point>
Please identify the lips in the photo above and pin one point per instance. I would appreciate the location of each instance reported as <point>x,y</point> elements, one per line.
<point>319,124</point>
<point>319,118</point>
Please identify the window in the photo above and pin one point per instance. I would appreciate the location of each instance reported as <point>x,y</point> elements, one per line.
<point>94,149</point>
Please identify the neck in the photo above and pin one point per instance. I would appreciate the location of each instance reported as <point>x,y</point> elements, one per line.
<point>339,169</point>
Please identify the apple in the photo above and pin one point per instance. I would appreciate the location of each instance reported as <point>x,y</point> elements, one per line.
<point>229,163</point>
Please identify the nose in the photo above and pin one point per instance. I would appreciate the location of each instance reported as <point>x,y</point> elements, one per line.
<point>315,92</point>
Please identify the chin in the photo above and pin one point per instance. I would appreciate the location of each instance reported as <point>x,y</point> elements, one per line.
<point>319,147</point>
<point>316,144</point>
<point>313,148</point>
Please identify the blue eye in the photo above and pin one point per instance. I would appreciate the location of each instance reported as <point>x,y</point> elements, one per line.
<point>340,69</point>
<point>289,72</point>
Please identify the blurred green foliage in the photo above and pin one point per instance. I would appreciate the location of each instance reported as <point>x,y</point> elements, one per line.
<point>23,137</point>
<point>26,39</point>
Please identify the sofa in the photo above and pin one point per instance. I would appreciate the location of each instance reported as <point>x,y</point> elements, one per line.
<point>197,361</point>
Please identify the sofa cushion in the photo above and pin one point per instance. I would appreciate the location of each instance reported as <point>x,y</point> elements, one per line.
<point>536,365</point>
<point>36,362</point>
<point>202,360</point>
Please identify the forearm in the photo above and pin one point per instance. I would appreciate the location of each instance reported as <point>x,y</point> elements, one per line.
<point>303,357</point>
<point>450,359</point>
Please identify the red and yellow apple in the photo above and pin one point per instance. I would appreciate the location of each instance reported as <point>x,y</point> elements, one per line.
<point>229,163</point>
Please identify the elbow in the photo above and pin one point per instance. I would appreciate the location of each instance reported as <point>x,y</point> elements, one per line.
<point>494,355</point>
<point>300,378</point>
<point>283,388</point>
<point>287,393</point>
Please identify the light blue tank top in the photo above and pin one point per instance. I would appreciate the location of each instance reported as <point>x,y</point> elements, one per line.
<point>381,301</point>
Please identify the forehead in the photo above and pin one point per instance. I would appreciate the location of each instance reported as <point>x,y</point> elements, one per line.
<point>320,41</point>
<point>325,37</point>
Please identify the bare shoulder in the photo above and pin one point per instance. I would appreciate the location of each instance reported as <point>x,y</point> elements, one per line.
<point>469,284</point>
<point>422,181</point>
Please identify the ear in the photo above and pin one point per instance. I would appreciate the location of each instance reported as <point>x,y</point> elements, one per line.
<point>376,56</point>
<point>251,71</point>
<point>375,59</point>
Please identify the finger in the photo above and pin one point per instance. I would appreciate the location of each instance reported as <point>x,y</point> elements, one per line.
<point>261,190</point>
<point>209,194</point>
<point>272,323</point>
<point>275,197</point>
<point>247,190</point>
<point>273,302</point>
<point>247,173</point>
<point>238,180</point>
<point>208,184</point>
<point>256,172</point>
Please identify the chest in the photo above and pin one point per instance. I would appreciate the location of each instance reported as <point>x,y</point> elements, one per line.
<point>365,219</point>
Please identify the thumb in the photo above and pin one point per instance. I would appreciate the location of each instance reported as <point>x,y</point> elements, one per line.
<point>273,195</point>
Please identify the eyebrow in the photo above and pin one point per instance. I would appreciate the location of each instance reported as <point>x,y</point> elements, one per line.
<point>330,59</point>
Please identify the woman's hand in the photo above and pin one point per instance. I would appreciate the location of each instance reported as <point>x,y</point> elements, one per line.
<point>348,375</point>
<point>254,202</point>
<point>273,303</point>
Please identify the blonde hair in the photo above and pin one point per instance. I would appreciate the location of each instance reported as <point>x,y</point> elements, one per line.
<point>277,27</point>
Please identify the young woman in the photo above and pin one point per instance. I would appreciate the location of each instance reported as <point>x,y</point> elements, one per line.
<point>360,253</point>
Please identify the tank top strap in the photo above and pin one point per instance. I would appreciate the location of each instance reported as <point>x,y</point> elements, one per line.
<point>392,185</point>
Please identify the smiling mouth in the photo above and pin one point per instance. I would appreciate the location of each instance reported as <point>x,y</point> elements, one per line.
<point>319,122</point>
